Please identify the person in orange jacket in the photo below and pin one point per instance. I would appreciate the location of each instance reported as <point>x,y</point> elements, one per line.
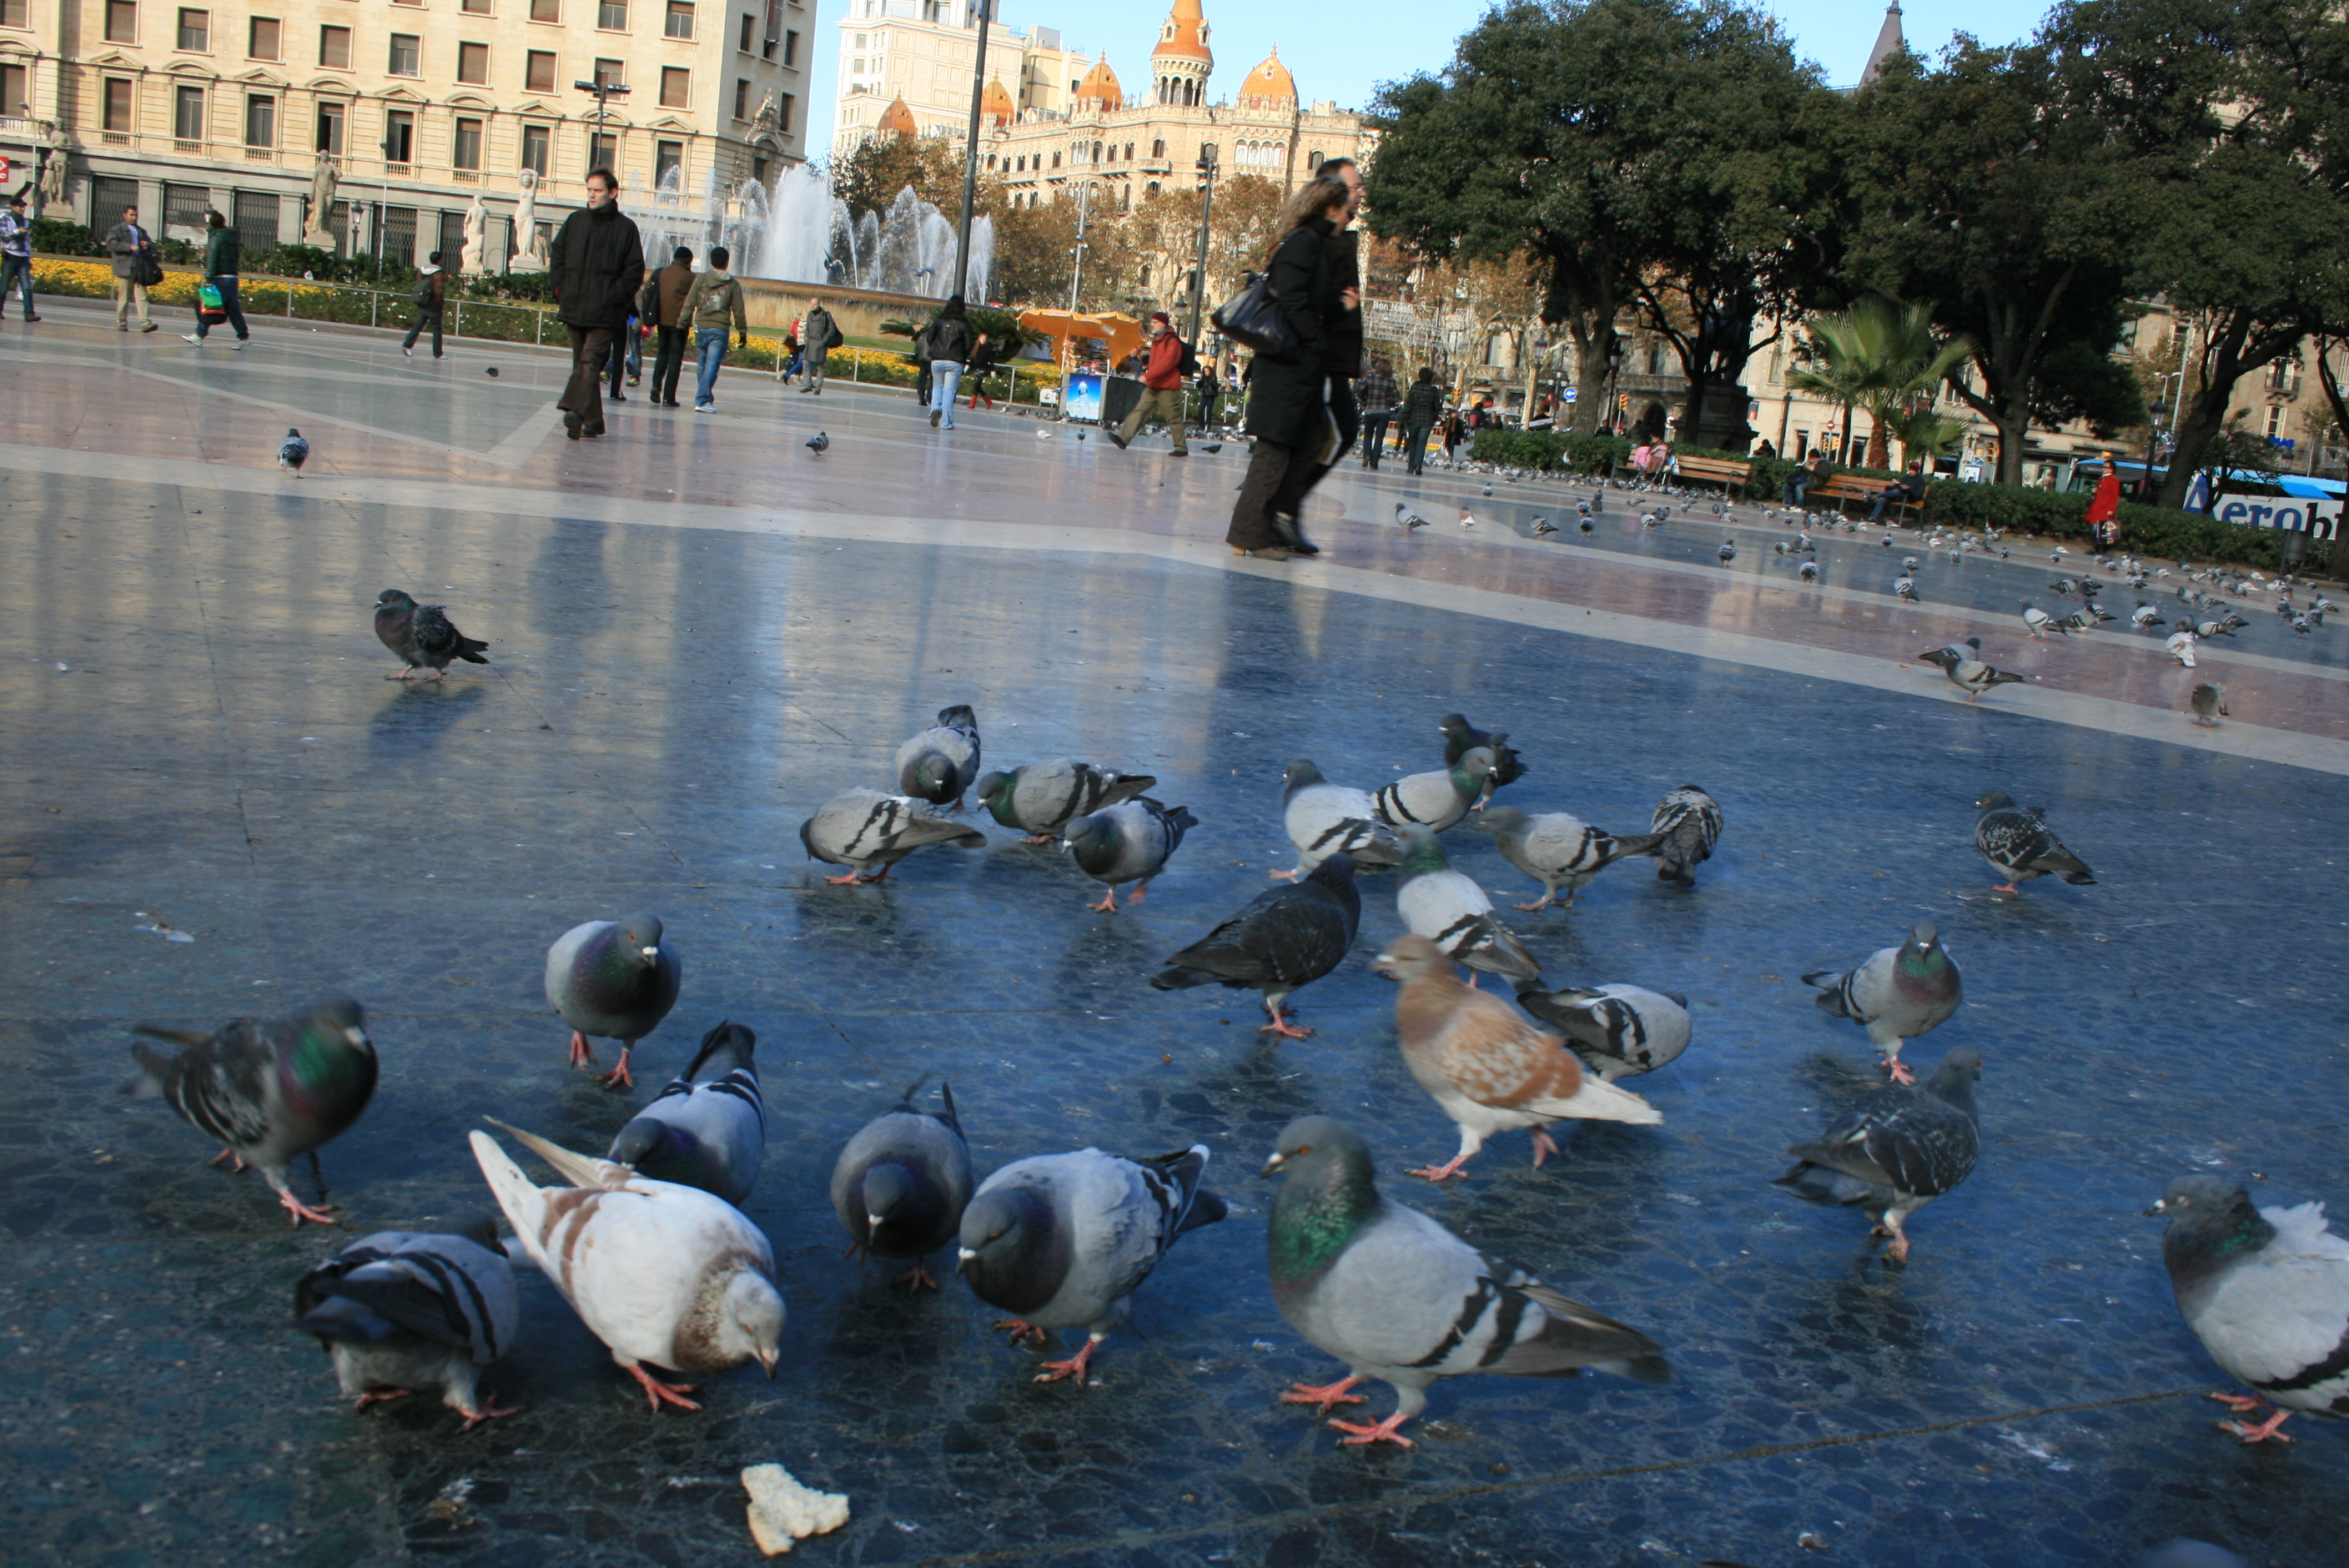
<point>1161,386</point>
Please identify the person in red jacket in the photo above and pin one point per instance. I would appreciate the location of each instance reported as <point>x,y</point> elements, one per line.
<point>2104,507</point>
<point>1161,386</point>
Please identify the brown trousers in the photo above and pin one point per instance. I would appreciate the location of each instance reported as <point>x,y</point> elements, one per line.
<point>1252,513</point>
<point>591,349</point>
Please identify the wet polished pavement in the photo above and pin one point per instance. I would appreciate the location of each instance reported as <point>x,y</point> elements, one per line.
<point>699,631</point>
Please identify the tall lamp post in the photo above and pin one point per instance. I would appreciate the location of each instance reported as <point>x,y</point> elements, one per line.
<point>1077,267</point>
<point>1207,215</point>
<point>970,153</point>
<point>604,90</point>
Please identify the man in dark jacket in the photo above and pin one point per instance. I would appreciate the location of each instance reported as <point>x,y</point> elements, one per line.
<point>669,286</point>
<point>818,338</point>
<point>127,243</point>
<point>1423,407</point>
<point>596,264</point>
<point>944,345</point>
<point>1377,394</point>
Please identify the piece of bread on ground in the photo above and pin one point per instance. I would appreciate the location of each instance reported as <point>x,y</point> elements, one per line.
<point>782,1511</point>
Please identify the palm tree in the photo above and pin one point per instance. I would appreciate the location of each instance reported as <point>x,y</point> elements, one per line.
<point>1881,357</point>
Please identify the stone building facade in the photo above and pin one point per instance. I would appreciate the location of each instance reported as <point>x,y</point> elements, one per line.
<point>911,60</point>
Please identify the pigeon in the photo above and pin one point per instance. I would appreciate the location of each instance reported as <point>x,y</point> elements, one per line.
<point>1954,654</point>
<point>661,1274</point>
<point>1620,1031</point>
<point>1586,528</point>
<point>1064,1240</point>
<point>2041,622</point>
<point>1898,995</point>
<point>869,832</point>
<point>1286,938</point>
<point>1450,910</point>
<point>2145,617</point>
<point>491,372</point>
<point>941,762</point>
<point>2181,644</point>
<point>1688,825</point>
<point>1396,1296</point>
<point>1040,799</point>
<point>400,1310</point>
<point>1974,677</point>
<point>1323,817</point>
<point>1212,447</point>
<point>1460,738</point>
<point>1486,1067</point>
<point>1539,528</point>
<point>1557,848</point>
<point>421,635</point>
<point>2267,1293</point>
<point>2019,847</point>
<point>2209,703</point>
<point>1728,550</point>
<point>1905,589</point>
<point>820,441</point>
<point>1896,1150</point>
<point>1467,519</point>
<point>1129,843</point>
<point>1439,799</point>
<point>293,452</point>
<point>1808,572</point>
<point>1407,519</point>
<point>1044,435</point>
<point>900,1185</point>
<point>1908,562</point>
<point>617,979</point>
<point>708,1128</point>
<point>1488,489</point>
<point>270,1088</point>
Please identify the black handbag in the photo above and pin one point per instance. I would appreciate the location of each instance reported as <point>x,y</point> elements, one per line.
<point>1252,319</point>
<point>147,271</point>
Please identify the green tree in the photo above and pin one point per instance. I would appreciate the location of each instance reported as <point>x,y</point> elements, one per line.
<point>1881,357</point>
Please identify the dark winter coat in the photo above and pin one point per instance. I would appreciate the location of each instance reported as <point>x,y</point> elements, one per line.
<point>1286,404</point>
<point>597,263</point>
<point>948,337</point>
<point>1344,326</point>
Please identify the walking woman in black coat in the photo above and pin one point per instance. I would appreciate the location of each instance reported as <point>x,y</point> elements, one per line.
<point>1287,411</point>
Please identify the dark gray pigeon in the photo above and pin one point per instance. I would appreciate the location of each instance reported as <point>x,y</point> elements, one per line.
<point>708,1128</point>
<point>1129,843</point>
<point>402,1310</point>
<point>901,1184</point>
<point>1436,799</point>
<point>2209,703</point>
<point>2267,1293</point>
<point>1040,799</point>
<point>1396,1296</point>
<point>941,762</point>
<point>271,1088</point>
<point>1559,849</point>
<point>421,635</point>
<point>1974,677</point>
<point>1461,737</point>
<point>1286,938</point>
<point>1898,995</point>
<point>1450,910</point>
<point>1688,825</point>
<point>1064,1240</point>
<point>1896,1150</point>
<point>293,452</point>
<point>868,832</point>
<point>818,442</point>
<point>1325,819</point>
<point>612,978</point>
<point>1620,1031</point>
<point>1956,654</point>
<point>2019,847</point>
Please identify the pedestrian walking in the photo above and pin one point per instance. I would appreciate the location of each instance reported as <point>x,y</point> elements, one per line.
<point>16,256</point>
<point>669,286</point>
<point>714,302</point>
<point>1161,385</point>
<point>2104,506</point>
<point>627,350</point>
<point>221,264</point>
<point>1341,362</point>
<point>818,338</point>
<point>1422,406</point>
<point>944,346</point>
<point>133,251</point>
<point>1210,390</point>
<point>1453,433</point>
<point>982,360</point>
<point>430,300</point>
<point>595,264</point>
<point>1287,412</point>
<point>1378,396</point>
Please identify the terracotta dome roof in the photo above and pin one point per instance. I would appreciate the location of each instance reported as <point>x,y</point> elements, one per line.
<point>898,119</point>
<point>995,104</point>
<point>1184,37</point>
<point>1270,80</point>
<point>1100,86</point>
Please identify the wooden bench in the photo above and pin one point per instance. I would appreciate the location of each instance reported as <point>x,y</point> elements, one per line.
<point>1844,489</point>
<point>1730,475</point>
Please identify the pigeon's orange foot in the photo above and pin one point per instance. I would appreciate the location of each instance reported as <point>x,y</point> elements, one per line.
<point>1384,1432</point>
<point>1037,839</point>
<point>1290,875</point>
<point>1537,906</point>
<point>1544,1146</point>
<point>487,1413</point>
<point>402,676</point>
<point>1440,1172</point>
<point>582,1053</point>
<point>1020,1328</point>
<point>1329,1396</point>
<point>378,1394</point>
<point>916,1278</point>
<point>1074,1367</point>
<point>236,1160</point>
<point>301,1210</point>
<point>619,1076</point>
<point>2241,1404</point>
<point>845,882</point>
<point>2005,887</point>
<point>1108,905</point>
<point>1135,896</point>
<point>1288,1031</point>
<point>1899,1071</point>
<point>661,1393</point>
<point>2265,1432</point>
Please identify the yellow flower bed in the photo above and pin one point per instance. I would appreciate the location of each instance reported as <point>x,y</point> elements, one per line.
<point>95,280</point>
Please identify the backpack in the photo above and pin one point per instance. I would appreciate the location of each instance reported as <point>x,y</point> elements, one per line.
<point>648,298</point>
<point>1190,366</point>
<point>423,294</point>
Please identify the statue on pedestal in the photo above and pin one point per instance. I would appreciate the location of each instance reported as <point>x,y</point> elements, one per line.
<point>321,205</point>
<point>527,256</point>
<point>477,237</point>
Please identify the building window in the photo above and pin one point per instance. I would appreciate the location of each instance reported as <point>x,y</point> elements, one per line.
<point>791,48</point>
<point>1158,148</point>
<point>260,121</point>
<point>676,88</point>
<point>538,73</point>
<point>613,72</point>
<point>602,151</point>
<point>406,57</point>
<point>535,139</point>
<point>195,30</point>
<point>783,118</point>
<point>15,14</point>
<point>742,99</point>
<point>399,137</point>
<point>330,130</point>
<point>856,67</point>
<point>474,8</point>
<point>262,38</point>
<point>334,47</point>
<point>15,89</point>
<point>748,24</point>
<point>680,19</point>
<point>122,21</point>
<point>188,114</point>
<point>546,10</point>
<point>1313,160</point>
<point>612,15</point>
<point>666,156</point>
<point>758,168</point>
<point>117,104</point>
<point>2275,422</point>
<point>1056,160</point>
<point>473,64</point>
<point>469,144</point>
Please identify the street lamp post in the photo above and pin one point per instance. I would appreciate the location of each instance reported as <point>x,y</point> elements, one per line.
<point>604,90</point>
<point>1077,267</point>
<point>1207,216</point>
<point>971,153</point>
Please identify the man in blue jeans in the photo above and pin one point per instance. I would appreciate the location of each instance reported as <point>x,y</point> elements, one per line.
<point>16,256</point>
<point>1801,482</point>
<point>1908,488</point>
<point>714,300</point>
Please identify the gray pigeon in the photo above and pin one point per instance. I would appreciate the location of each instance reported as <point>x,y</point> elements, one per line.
<point>1620,1031</point>
<point>1407,519</point>
<point>1898,995</point>
<point>293,452</point>
<point>2041,622</point>
<point>1041,797</point>
<point>864,830</point>
<point>1129,843</point>
<point>1323,819</point>
<point>1461,737</point>
<point>1956,654</point>
<point>1064,1240</point>
<point>1450,910</point>
<point>2209,703</point>
<point>941,762</point>
<point>1436,800</point>
<point>269,1089</point>
<point>1728,550</point>
<point>2019,847</point>
<point>1896,1150</point>
<point>1974,677</point>
<point>1558,849</point>
<point>1905,589</point>
<point>401,1310</point>
<point>1808,572</point>
<point>612,978</point>
<point>2267,1293</point>
<point>901,1184</point>
<point>1687,823</point>
<point>421,635</point>
<point>708,1128</point>
<point>818,442</point>
<point>1396,1296</point>
<point>1286,938</point>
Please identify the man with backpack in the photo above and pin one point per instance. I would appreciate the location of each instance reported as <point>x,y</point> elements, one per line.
<point>818,338</point>
<point>663,303</point>
<point>430,298</point>
<point>16,256</point>
<point>714,299</point>
<point>1170,360</point>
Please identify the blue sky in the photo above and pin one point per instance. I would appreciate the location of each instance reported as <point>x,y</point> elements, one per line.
<point>1343,53</point>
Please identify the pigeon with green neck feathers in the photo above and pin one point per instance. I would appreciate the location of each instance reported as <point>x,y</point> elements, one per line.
<point>1040,798</point>
<point>1896,1150</point>
<point>612,978</point>
<point>1130,842</point>
<point>1398,1297</point>
<point>941,762</point>
<point>1460,738</point>
<point>1898,995</point>
<point>1450,910</point>
<point>1436,799</point>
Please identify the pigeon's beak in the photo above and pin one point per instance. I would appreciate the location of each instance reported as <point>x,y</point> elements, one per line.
<point>1273,1164</point>
<point>2160,1206</point>
<point>769,1359</point>
<point>652,952</point>
<point>963,1256</point>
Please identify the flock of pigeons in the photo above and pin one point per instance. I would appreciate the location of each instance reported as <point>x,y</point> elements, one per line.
<point>649,1243</point>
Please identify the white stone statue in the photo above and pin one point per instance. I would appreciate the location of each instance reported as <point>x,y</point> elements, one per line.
<point>321,205</point>
<point>55,171</point>
<point>477,236</point>
<point>768,112</point>
<point>527,256</point>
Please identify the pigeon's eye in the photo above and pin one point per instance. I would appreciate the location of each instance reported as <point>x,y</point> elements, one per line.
<point>1305,1149</point>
